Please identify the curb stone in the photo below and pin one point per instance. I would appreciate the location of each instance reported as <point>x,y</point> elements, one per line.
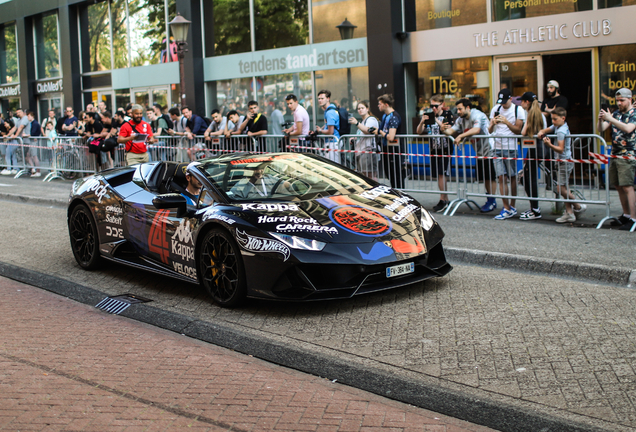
<point>594,273</point>
<point>428,395</point>
<point>33,200</point>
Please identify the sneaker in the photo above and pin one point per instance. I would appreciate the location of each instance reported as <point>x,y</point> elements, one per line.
<point>440,206</point>
<point>36,174</point>
<point>581,210</point>
<point>567,217</point>
<point>490,205</point>
<point>627,225</point>
<point>5,172</point>
<point>530,215</point>
<point>505,214</point>
<point>622,220</point>
<point>14,172</point>
<point>513,211</point>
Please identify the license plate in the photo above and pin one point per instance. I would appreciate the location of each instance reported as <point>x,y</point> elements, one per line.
<point>400,270</point>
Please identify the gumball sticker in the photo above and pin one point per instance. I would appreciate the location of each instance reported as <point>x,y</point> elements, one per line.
<point>361,220</point>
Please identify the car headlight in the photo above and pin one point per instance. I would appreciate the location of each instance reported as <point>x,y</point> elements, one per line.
<point>426,220</point>
<point>299,242</point>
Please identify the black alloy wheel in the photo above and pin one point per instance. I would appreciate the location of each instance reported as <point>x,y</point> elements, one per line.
<point>221,269</point>
<point>84,240</point>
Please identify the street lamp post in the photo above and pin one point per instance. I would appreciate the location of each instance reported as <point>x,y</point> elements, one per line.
<point>179,27</point>
<point>346,32</point>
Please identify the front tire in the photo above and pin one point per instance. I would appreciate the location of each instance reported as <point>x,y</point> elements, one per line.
<point>221,269</point>
<point>84,239</point>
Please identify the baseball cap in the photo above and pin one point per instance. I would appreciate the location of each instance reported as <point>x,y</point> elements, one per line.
<point>624,92</point>
<point>553,83</point>
<point>504,95</point>
<point>528,96</point>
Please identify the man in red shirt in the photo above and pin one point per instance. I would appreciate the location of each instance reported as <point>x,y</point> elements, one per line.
<point>131,133</point>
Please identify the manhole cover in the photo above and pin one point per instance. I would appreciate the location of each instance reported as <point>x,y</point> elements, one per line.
<point>119,303</point>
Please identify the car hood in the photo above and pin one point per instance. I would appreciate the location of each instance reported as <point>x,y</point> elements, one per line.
<point>380,213</point>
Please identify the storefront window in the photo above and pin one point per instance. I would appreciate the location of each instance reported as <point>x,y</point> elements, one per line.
<point>9,55</point>
<point>618,70</point>
<point>120,33</point>
<point>99,37</point>
<point>455,79</point>
<point>347,87</point>
<point>277,87</point>
<point>268,16</point>
<point>511,9</point>
<point>328,14</point>
<point>603,4</point>
<point>228,95</point>
<point>148,19</point>
<point>435,14</point>
<point>122,98</point>
<point>47,47</point>
<point>231,26</point>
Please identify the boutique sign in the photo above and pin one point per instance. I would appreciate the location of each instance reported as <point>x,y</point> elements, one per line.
<point>10,90</point>
<point>304,58</point>
<point>50,86</point>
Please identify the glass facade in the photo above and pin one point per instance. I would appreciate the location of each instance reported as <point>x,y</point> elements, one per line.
<point>511,9</point>
<point>602,4</point>
<point>120,33</point>
<point>9,55</point>
<point>328,14</point>
<point>99,49</point>
<point>148,19</point>
<point>47,48</point>
<point>435,14</point>
<point>618,69</point>
<point>231,26</point>
<point>456,79</point>
<point>268,16</point>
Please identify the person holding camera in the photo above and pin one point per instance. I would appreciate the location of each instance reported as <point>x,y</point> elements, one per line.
<point>367,162</point>
<point>440,149</point>
<point>506,119</point>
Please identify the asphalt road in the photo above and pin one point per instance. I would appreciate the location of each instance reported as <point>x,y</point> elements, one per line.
<point>504,349</point>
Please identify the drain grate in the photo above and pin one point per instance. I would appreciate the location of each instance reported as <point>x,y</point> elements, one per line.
<point>119,303</point>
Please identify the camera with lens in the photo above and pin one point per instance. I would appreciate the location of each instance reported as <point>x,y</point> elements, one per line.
<point>372,129</point>
<point>312,136</point>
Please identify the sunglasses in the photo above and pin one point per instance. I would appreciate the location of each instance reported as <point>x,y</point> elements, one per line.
<point>435,105</point>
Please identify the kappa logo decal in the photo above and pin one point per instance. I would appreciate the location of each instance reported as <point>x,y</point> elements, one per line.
<point>260,244</point>
<point>361,220</point>
<point>183,233</point>
<point>270,207</point>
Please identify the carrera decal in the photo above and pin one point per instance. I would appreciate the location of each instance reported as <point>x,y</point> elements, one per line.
<point>379,250</point>
<point>361,220</point>
<point>401,246</point>
<point>97,187</point>
<point>259,244</point>
<point>375,192</point>
<point>270,207</point>
<point>157,242</point>
<point>306,228</point>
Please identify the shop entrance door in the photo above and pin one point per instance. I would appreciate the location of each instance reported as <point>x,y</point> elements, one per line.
<point>520,75</point>
<point>107,97</point>
<point>148,96</point>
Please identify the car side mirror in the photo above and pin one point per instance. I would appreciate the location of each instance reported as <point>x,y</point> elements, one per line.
<point>171,201</point>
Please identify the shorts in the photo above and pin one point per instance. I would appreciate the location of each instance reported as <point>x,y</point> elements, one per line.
<point>561,172</point>
<point>441,165</point>
<point>485,169</point>
<point>506,167</point>
<point>622,172</point>
<point>136,158</point>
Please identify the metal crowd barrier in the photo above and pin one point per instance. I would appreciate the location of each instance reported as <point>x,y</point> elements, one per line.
<point>12,151</point>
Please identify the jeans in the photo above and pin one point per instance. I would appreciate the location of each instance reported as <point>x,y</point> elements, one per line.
<point>11,156</point>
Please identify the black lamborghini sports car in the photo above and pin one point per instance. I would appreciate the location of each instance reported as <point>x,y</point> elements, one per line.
<point>287,226</point>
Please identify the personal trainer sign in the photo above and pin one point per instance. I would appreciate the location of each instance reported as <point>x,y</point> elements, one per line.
<point>323,56</point>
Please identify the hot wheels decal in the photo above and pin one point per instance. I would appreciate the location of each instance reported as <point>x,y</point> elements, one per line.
<point>361,220</point>
<point>260,244</point>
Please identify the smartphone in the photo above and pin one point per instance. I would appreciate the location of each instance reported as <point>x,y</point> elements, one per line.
<point>604,107</point>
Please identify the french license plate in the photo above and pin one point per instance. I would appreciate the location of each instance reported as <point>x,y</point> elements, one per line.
<point>400,270</point>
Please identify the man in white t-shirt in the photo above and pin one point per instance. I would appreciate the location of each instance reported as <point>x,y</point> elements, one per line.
<point>301,118</point>
<point>506,119</point>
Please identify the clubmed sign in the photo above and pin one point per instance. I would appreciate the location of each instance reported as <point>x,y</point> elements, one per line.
<point>323,56</point>
<point>49,86</point>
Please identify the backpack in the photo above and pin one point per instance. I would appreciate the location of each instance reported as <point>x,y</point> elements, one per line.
<point>516,108</point>
<point>345,127</point>
<point>168,120</point>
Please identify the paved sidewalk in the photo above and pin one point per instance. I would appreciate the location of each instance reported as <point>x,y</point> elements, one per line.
<point>65,366</point>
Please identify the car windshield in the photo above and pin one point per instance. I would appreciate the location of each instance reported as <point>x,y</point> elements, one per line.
<point>281,176</point>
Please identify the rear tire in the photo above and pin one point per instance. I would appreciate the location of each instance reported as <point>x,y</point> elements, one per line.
<point>82,230</point>
<point>221,269</point>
